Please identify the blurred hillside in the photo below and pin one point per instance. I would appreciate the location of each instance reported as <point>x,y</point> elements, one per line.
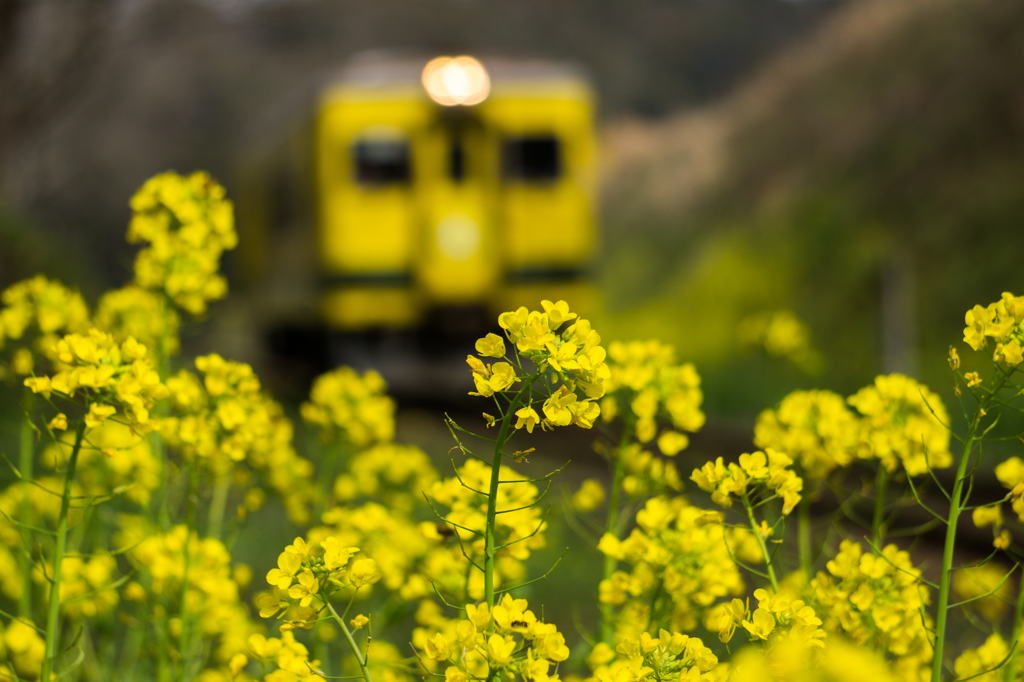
<point>872,179</point>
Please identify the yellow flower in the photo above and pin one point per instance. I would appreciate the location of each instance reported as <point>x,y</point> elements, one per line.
<point>500,649</point>
<point>288,565</point>
<point>589,497</point>
<point>363,572</point>
<point>492,346</point>
<point>761,624</point>
<point>988,516</point>
<point>237,664</point>
<point>557,313</point>
<point>359,622</point>
<point>527,417</point>
<point>503,375</point>
<point>437,648</point>
<point>305,589</point>
<point>59,423</point>
<point>972,379</point>
<point>98,414</point>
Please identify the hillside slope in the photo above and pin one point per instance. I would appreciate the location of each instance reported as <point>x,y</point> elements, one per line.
<point>872,179</point>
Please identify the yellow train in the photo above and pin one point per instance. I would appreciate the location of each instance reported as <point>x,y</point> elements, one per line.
<point>428,186</point>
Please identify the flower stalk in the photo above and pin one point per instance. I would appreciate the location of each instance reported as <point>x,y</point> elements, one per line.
<point>53,613</point>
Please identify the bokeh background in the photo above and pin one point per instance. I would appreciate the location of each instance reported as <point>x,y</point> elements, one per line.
<point>857,162</point>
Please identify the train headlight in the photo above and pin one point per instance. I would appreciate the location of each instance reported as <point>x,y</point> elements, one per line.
<point>458,237</point>
<point>451,81</point>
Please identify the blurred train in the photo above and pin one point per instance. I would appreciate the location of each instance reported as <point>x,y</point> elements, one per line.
<point>411,200</point>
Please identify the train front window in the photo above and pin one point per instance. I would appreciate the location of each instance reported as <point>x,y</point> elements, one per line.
<point>457,161</point>
<point>533,158</point>
<point>381,162</point>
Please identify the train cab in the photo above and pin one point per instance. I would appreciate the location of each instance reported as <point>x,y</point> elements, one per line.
<point>451,183</point>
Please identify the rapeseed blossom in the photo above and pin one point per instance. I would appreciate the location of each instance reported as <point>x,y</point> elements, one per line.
<point>573,359</point>
<point>356,408</point>
<point>673,551</point>
<point>225,419</point>
<point>815,428</point>
<point>877,600</point>
<point>507,641</point>
<point>187,224</point>
<point>519,524</point>
<point>133,311</point>
<point>769,468</point>
<point>669,657</point>
<point>109,373</point>
<point>646,385</point>
<point>904,422</point>
<point>1000,321</point>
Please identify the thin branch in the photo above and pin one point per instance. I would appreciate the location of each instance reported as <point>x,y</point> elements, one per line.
<point>899,568</point>
<point>990,592</point>
<point>537,579</point>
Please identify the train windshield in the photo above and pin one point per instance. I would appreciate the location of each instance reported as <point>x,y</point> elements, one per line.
<point>534,158</point>
<point>381,162</point>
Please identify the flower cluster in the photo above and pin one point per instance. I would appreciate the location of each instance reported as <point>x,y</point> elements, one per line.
<point>777,618</point>
<point>905,422</point>
<point>188,224</point>
<point>352,406</point>
<point>814,427</point>
<point>518,526</point>
<point>573,357</point>
<point>782,335</point>
<point>107,372</point>
<point>982,663</point>
<point>139,313</point>
<point>87,586</point>
<point>1011,474</point>
<point>646,378</point>
<point>396,542</point>
<point>21,652</point>
<point>985,588</point>
<point>878,600</point>
<point>211,587</point>
<point>309,572</point>
<point>769,468</point>
<point>505,642</point>
<point>673,550</point>
<point>42,306</point>
<point>1002,322</point>
<point>669,657</point>
<point>788,661</point>
<point>225,419</point>
<point>395,474</point>
<point>290,657</point>
<point>113,460</point>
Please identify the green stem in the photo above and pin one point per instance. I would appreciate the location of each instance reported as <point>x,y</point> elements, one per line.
<point>492,495</point>
<point>947,554</point>
<point>330,454</point>
<point>760,543</point>
<point>804,535</point>
<point>1010,673</point>
<point>878,520</point>
<point>190,516</point>
<point>215,518</point>
<point>363,661</point>
<point>156,444</point>
<point>53,614</point>
<point>612,524</point>
<point>25,463</point>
